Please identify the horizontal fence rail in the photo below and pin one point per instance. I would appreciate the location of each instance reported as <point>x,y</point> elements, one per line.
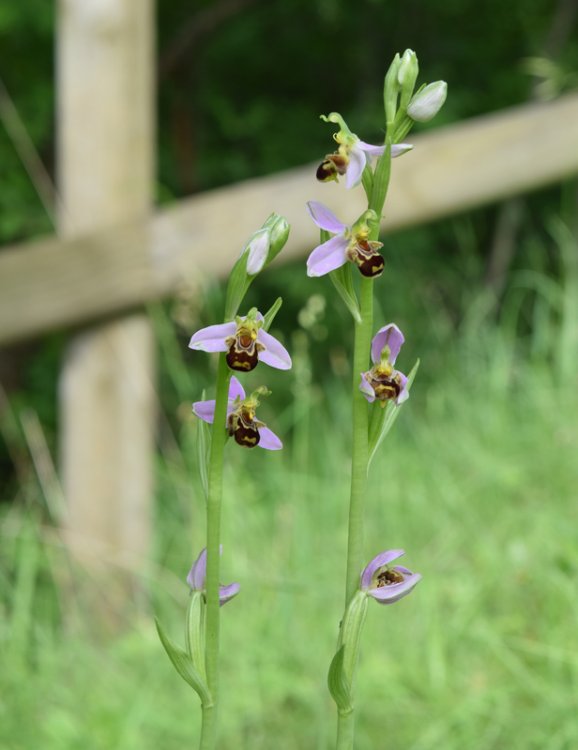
<point>50,283</point>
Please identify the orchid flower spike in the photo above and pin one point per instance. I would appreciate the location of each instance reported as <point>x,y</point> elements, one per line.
<point>245,341</point>
<point>241,422</point>
<point>382,382</point>
<point>352,154</point>
<point>349,243</point>
<point>197,575</point>
<point>387,584</point>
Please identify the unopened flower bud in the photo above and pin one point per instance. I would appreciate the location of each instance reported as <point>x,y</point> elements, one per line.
<point>391,89</point>
<point>257,251</point>
<point>407,75</point>
<point>279,234</point>
<point>427,103</point>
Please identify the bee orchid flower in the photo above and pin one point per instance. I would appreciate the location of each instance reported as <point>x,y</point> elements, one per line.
<point>385,583</point>
<point>347,244</point>
<point>245,341</point>
<point>352,154</point>
<point>383,382</point>
<point>241,424</point>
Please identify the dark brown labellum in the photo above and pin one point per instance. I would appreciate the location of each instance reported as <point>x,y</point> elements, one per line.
<point>243,354</point>
<point>388,577</point>
<point>385,388</point>
<point>373,266</point>
<point>331,166</point>
<point>247,435</point>
<point>325,171</point>
<point>242,360</point>
<point>367,259</point>
<point>242,427</point>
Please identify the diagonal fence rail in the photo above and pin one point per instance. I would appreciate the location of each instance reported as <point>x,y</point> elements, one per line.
<point>51,283</point>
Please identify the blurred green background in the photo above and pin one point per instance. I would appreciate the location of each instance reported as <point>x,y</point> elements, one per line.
<point>477,481</point>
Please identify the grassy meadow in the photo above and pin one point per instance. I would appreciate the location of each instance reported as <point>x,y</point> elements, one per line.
<point>477,481</point>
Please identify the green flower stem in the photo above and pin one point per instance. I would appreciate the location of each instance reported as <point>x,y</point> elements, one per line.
<point>360,448</point>
<point>208,728</point>
<point>218,440</point>
<point>345,730</point>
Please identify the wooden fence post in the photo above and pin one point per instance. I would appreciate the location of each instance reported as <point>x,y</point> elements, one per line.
<point>105,88</point>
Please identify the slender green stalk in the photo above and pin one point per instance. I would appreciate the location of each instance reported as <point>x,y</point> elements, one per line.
<point>218,440</point>
<point>362,345</point>
<point>360,447</point>
<point>345,730</point>
<point>376,191</point>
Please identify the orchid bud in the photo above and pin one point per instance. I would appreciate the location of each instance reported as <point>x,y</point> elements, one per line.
<point>279,229</point>
<point>257,250</point>
<point>407,76</point>
<point>427,103</point>
<point>391,89</point>
<point>264,245</point>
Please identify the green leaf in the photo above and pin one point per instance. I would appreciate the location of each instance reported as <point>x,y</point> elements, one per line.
<point>272,312</point>
<point>343,281</point>
<point>185,667</point>
<point>338,684</point>
<point>367,181</point>
<point>195,631</point>
<point>239,282</point>
<point>382,420</point>
<point>380,183</point>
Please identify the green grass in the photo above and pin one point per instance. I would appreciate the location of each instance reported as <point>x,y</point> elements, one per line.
<point>477,482</point>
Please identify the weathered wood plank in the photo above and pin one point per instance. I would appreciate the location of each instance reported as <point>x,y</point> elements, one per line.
<point>107,401</point>
<point>48,283</point>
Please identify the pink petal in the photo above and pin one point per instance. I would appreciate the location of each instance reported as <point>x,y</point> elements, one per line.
<point>391,336</point>
<point>357,162</point>
<point>212,338</point>
<point>395,591</point>
<point>404,393</point>
<point>227,592</point>
<point>196,577</point>
<point>400,148</point>
<point>268,440</point>
<point>366,388</point>
<point>324,218</point>
<point>371,150</point>
<point>275,353</point>
<point>328,256</point>
<point>384,558</point>
<point>396,150</point>
<point>205,410</point>
<point>236,389</point>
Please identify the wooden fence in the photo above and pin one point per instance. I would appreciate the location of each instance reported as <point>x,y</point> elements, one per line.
<point>113,253</point>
